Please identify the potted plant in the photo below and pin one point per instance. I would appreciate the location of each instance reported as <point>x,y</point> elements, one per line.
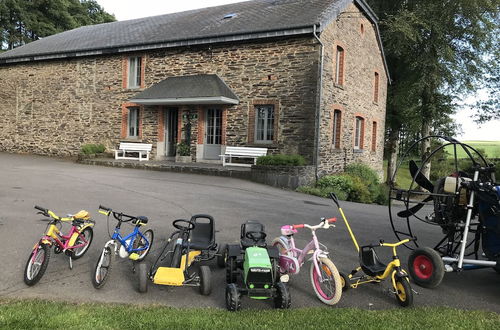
<point>183,154</point>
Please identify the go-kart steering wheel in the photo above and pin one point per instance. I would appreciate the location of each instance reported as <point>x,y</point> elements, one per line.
<point>255,235</point>
<point>179,224</point>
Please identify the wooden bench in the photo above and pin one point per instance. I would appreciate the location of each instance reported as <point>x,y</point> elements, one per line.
<point>242,152</point>
<point>141,149</point>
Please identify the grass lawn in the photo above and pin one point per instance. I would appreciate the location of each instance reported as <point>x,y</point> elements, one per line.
<point>44,314</point>
<point>492,148</point>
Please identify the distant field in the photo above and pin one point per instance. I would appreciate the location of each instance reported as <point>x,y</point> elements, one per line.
<point>491,148</point>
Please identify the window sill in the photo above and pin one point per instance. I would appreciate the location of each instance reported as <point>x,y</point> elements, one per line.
<point>339,86</point>
<point>336,150</point>
<point>375,103</point>
<point>131,140</point>
<point>262,145</point>
<point>358,151</point>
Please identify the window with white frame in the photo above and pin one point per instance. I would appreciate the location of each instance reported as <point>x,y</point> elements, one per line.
<point>134,72</point>
<point>133,122</point>
<point>264,128</point>
<point>358,133</point>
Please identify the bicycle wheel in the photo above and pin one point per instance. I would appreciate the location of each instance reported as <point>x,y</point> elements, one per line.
<point>329,287</point>
<point>403,292</point>
<point>88,235</point>
<point>102,268</point>
<point>140,242</point>
<point>37,264</point>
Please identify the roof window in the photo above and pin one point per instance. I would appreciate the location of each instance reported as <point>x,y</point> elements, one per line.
<point>228,16</point>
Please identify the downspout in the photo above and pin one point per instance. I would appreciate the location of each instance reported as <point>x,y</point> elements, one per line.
<point>318,106</point>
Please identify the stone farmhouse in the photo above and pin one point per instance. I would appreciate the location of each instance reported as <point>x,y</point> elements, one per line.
<point>296,76</point>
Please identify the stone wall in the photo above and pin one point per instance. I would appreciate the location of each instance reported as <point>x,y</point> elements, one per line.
<point>362,58</point>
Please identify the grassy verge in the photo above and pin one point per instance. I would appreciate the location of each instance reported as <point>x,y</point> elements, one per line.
<point>43,314</point>
<point>491,148</point>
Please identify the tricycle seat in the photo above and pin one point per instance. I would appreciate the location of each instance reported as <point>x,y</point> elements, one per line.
<point>369,261</point>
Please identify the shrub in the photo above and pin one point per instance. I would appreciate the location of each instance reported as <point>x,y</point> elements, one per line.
<point>281,160</point>
<point>382,197</point>
<point>183,149</point>
<point>359,192</point>
<point>88,149</point>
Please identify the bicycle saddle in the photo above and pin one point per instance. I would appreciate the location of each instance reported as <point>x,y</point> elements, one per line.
<point>141,219</point>
<point>81,215</point>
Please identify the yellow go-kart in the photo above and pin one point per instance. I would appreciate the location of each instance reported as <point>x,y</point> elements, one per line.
<point>193,241</point>
<point>373,270</point>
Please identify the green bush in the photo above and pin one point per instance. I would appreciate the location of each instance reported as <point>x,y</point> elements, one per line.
<point>281,160</point>
<point>382,197</point>
<point>183,149</point>
<point>88,149</point>
<point>323,192</point>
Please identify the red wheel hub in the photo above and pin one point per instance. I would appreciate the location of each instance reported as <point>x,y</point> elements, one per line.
<point>423,267</point>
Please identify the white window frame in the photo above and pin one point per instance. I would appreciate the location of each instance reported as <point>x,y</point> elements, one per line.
<point>133,120</point>
<point>269,109</point>
<point>134,72</point>
<point>357,133</point>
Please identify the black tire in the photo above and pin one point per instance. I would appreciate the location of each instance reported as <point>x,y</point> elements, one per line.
<point>176,256</point>
<point>222,256</point>
<point>231,271</point>
<point>103,268</point>
<point>345,281</point>
<point>139,242</point>
<point>403,292</point>
<point>205,280</point>
<point>282,299</point>
<point>142,272</point>
<point>426,267</point>
<point>233,298</point>
<point>33,274</point>
<point>88,233</point>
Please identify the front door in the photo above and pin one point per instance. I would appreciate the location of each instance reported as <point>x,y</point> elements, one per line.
<point>171,122</point>
<point>213,133</point>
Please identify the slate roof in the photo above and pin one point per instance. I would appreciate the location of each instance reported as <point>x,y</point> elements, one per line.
<point>196,89</point>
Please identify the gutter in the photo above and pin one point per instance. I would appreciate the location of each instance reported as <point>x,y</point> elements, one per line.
<point>318,106</point>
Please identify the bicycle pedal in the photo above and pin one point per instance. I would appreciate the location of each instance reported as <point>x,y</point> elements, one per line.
<point>415,292</point>
<point>134,256</point>
<point>70,263</point>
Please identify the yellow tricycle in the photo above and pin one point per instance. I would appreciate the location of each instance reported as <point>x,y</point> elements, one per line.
<point>373,270</point>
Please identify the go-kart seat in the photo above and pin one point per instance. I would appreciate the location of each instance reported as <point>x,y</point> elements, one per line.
<point>203,234</point>
<point>370,262</point>
<point>255,226</point>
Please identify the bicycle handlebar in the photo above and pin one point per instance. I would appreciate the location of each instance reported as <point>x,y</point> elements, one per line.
<point>320,225</point>
<point>117,215</point>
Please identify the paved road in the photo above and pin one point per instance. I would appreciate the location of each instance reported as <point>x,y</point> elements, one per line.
<point>66,187</point>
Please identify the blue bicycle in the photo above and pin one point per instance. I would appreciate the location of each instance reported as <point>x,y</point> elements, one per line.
<point>134,246</point>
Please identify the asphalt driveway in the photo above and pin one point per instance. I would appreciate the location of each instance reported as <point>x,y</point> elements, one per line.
<point>66,187</point>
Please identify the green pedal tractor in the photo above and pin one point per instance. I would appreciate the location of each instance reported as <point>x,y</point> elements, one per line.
<point>252,269</point>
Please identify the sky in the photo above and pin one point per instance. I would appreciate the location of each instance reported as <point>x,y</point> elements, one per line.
<point>130,9</point>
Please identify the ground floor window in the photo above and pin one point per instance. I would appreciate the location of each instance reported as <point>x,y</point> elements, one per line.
<point>264,127</point>
<point>359,133</point>
<point>337,116</point>
<point>133,122</point>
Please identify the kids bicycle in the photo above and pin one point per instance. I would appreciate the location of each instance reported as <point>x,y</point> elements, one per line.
<point>134,246</point>
<point>325,278</point>
<point>74,244</point>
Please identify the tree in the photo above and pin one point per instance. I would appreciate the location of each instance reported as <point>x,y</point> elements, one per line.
<point>23,21</point>
<point>437,52</point>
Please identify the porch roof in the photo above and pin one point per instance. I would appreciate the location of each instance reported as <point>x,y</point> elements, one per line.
<point>196,89</point>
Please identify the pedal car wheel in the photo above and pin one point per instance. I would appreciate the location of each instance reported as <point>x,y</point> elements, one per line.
<point>233,298</point>
<point>282,299</point>
<point>36,266</point>
<point>87,234</point>
<point>222,256</point>
<point>328,289</point>
<point>205,280</point>
<point>140,242</point>
<point>102,268</point>
<point>403,292</point>
<point>426,267</point>
<point>231,270</point>
<point>143,276</point>
<point>344,281</point>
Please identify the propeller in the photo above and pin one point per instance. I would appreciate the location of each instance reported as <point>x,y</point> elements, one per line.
<point>423,182</point>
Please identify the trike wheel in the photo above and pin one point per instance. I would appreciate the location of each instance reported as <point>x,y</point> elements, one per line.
<point>344,281</point>
<point>205,280</point>
<point>282,299</point>
<point>328,289</point>
<point>403,292</point>
<point>102,268</point>
<point>233,298</point>
<point>143,276</point>
<point>37,264</point>
<point>88,235</point>
<point>426,267</point>
<point>140,242</point>
<point>231,270</point>
<point>222,256</point>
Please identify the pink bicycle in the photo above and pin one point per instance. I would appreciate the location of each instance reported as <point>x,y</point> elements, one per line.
<point>325,277</point>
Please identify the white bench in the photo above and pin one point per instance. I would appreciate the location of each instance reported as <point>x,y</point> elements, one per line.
<point>242,152</point>
<point>142,149</point>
